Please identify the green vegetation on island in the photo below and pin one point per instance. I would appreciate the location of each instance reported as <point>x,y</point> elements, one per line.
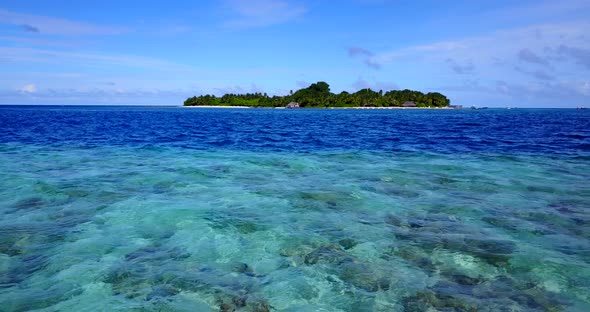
<point>318,95</point>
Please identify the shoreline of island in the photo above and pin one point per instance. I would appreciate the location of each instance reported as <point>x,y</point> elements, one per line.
<point>216,106</point>
<point>360,107</point>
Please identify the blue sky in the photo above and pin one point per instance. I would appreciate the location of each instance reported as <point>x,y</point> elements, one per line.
<point>483,53</point>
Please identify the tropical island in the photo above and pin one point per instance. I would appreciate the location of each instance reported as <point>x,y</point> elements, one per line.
<point>318,95</point>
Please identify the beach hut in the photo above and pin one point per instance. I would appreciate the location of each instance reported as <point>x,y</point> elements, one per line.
<point>409,104</point>
<point>293,105</point>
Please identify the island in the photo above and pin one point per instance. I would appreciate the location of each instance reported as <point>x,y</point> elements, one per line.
<point>318,95</point>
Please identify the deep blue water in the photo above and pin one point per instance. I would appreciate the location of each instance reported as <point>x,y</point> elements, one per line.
<point>540,131</point>
<point>190,209</point>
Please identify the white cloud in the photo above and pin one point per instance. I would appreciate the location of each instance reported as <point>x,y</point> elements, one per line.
<point>29,88</point>
<point>27,55</point>
<point>562,49</point>
<point>261,13</point>
<point>501,44</point>
<point>56,26</point>
<point>541,64</point>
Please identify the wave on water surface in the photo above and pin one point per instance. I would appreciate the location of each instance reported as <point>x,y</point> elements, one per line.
<point>262,210</point>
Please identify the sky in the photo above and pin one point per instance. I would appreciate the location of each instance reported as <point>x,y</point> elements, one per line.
<point>483,53</point>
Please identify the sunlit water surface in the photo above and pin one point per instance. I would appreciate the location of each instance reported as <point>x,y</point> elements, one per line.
<point>258,210</point>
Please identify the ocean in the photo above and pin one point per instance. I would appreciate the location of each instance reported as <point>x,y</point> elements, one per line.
<point>109,208</point>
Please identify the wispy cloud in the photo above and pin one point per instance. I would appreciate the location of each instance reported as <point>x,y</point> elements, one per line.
<point>560,48</point>
<point>526,55</point>
<point>94,95</point>
<point>31,55</point>
<point>261,13</point>
<point>544,91</point>
<point>29,28</point>
<point>580,55</point>
<point>29,88</point>
<point>521,65</point>
<point>366,54</point>
<point>40,41</point>
<point>56,26</point>
<point>501,92</point>
<point>539,74</point>
<point>584,87</point>
<point>538,10</point>
<point>355,51</point>
<point>372,64</point>
<point>460,69</point>
<point>504,44</point>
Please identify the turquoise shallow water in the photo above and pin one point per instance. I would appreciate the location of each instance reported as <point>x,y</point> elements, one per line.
<point>170,209</point>
<point>170,229</point>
